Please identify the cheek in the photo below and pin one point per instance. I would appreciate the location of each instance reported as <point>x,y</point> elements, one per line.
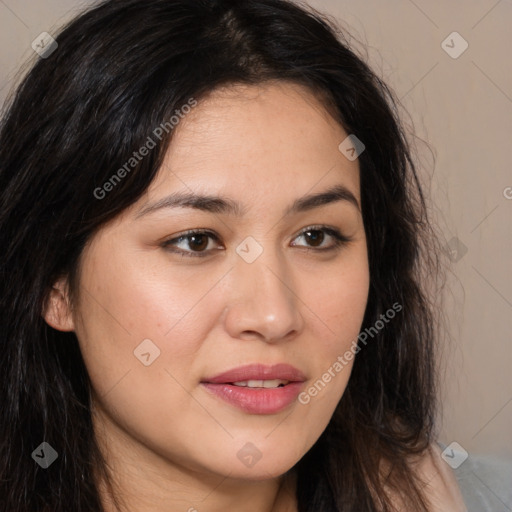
<point>142,301</point>
<point>125,319</point>
<point>339,301</point>
<point>338,306</point>
<point>120,311</point>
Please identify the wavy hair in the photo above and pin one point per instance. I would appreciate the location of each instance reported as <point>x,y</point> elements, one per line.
<point>79,114</point>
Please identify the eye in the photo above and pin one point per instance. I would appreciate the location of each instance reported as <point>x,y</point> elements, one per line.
<point>196,240</point>
<point>196,243</point>
<point>316,236</point>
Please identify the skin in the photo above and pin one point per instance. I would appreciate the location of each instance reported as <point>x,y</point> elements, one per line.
<point>171,445</point>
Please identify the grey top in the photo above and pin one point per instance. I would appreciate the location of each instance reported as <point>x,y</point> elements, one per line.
<point>485,482</point>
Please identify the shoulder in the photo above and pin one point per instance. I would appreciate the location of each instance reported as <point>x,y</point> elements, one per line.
<point>439,483</point>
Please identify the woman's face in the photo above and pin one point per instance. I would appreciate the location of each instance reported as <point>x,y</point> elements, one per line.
<point>265,283</point>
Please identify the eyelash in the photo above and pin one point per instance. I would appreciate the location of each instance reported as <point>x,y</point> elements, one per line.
<point>339,241</point>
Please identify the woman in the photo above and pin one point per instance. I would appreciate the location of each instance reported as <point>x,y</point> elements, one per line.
<point>213,235</point>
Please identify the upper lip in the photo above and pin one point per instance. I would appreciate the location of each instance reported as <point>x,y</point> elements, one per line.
<point>280,371</point>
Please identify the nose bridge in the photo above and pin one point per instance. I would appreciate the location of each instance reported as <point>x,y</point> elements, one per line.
<point>263,299</point>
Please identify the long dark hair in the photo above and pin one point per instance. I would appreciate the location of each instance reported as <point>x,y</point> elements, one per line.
<point>121,69</point>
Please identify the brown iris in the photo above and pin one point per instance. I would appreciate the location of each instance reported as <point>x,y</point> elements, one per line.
<point>315,236</point>
<point>198,242</point>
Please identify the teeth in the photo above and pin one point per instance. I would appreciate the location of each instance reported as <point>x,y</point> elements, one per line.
<point>261,383</point>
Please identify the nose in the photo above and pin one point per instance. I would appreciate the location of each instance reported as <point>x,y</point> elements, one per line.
<point>263,302</point>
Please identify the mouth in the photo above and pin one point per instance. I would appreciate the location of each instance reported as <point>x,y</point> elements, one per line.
<point>257,388</point>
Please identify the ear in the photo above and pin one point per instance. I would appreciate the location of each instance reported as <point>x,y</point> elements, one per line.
<point>57,310</point>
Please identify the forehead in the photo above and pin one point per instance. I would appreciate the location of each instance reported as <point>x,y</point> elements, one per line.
<point>260,137</point>
<point>264,111</point>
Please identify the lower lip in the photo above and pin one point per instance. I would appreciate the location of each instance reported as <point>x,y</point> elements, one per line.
<point>256,400</point>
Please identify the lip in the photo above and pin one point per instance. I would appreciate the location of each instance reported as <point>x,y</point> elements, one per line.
<point>257,400</point>
<point>258,372</point>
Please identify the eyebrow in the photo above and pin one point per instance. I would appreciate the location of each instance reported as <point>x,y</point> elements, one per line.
<point>224,205</point>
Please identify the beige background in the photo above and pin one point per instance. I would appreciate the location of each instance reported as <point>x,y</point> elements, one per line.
<point>463,108</point>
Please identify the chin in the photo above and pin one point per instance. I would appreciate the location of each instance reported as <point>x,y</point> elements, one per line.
<point>251,463</point>
<point>259,473</point>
